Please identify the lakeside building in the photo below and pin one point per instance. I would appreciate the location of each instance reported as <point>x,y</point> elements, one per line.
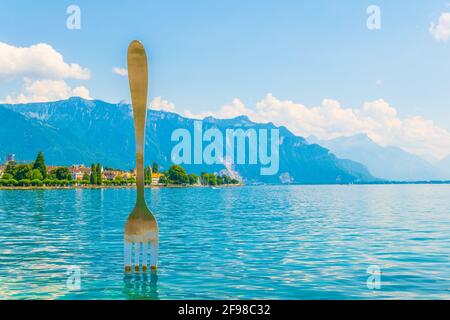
<point>51,168</point>
<point>155,177</point>
<point>78,171</point>
<point>131,174</point>
<point>113,174</point>
<point>116,174</point>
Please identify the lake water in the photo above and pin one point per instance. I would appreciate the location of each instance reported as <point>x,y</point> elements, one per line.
<point>269,242</point>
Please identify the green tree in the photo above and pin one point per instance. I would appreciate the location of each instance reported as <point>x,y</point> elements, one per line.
<point>204,178</point>
<point>11,167</point>
<point>212,180</point>
<point>39,164</point>
<point>193,178</point>
<point>226,179</point>
<point>62,173</point>
<point>37,182</point>
<point>36,175</point>
<point>24,182</point>
<point>23,171</point>
<point>155,167</point>
<point>93,178</point>
<point>118,181</point>
<point>99,174</point>
<point>163,179</point>
<point>7,176</point>
<point>177,174</point>
<point>86,177</point>
<point>219,180</point>
<point>51,175</point>
<point>148,173</point>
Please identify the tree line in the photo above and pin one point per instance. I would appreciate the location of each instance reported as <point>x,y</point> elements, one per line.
<point>178,175</point>
<point>36,174</point>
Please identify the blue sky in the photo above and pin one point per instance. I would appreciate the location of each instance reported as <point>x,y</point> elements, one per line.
<point>203,54</point>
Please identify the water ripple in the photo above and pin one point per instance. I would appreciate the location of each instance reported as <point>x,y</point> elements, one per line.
<point>291,242</point>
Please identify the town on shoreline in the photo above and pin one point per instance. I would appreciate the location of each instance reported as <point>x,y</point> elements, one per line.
<point>37,175</point>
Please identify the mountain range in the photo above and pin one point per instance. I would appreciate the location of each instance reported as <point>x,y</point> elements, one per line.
<point>389,163</point>
<point>76,130</point>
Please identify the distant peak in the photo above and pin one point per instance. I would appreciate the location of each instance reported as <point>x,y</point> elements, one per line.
<point>242,118</point>
<point>76,98</point>
<point>362,136</point>
<point>359,137</point>
<point>209,118</point>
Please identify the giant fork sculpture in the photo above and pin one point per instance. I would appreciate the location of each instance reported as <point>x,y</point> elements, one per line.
<point>141,227</point>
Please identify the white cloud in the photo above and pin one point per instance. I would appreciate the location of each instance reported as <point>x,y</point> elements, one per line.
<point>43,71</point>
<point>441,30</point>
<point>234,109</point>
<point>47,90</point>
<point>81,91</point>
<point>377,119</point>
<point>120,71</point>
<point>159,104</point>
<point>37,61</point>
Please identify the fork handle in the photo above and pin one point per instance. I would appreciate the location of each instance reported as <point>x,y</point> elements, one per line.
<point>138,79</point>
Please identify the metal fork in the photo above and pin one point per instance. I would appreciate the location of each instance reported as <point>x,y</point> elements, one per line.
<point>141,227</point>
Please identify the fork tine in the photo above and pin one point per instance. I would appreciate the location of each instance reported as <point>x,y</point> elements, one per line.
<point>154,254</point>
<point>136,255</point>
<point>127,255</point>
<point>144,255</point>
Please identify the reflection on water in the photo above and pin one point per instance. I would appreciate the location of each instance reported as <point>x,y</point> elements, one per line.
<point>141,286</point>
<point>291,242</point>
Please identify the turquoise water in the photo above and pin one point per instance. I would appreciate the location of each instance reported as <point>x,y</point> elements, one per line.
<point>288,242</point>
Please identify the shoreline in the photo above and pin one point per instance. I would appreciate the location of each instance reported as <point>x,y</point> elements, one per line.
<point>114,187</point>
<point>217,186</point>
